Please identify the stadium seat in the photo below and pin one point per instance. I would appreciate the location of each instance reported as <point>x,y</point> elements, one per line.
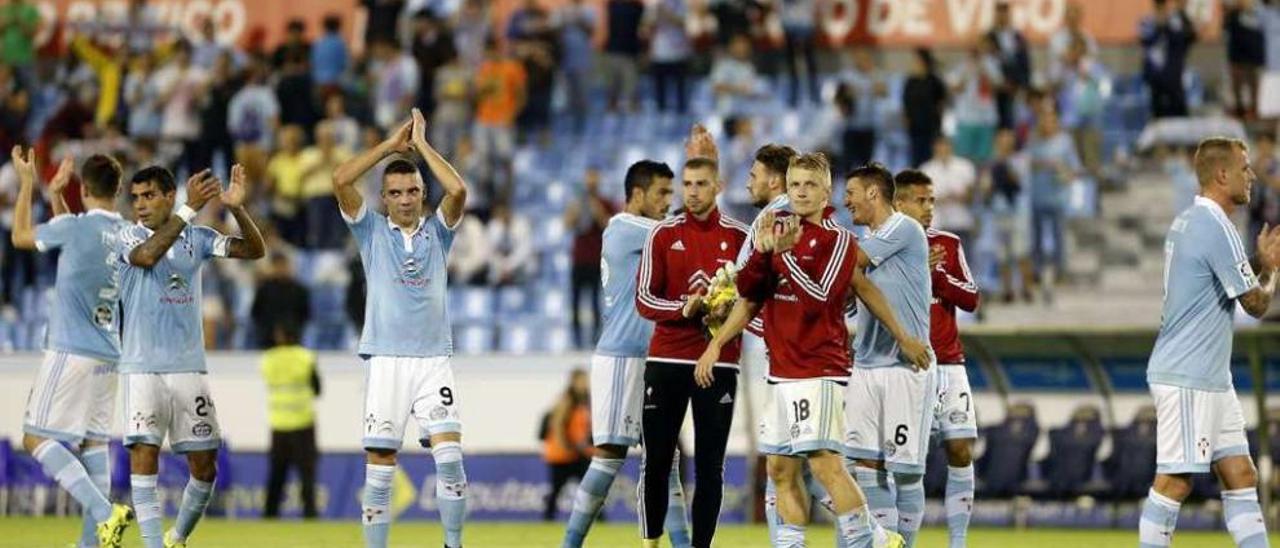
<point>513,300</point>
<point>1002,469</point>
<point>1132,464</point>
<point>1073,454</point>
<point>471,304</point>
<point>473,339</point>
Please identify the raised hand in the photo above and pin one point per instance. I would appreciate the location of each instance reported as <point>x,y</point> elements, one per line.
<point>234,195</point>
<point>785,236</point>
<point>419,129</point>
<point>1269,248</point>
<point>24,164</point>
<point>62,177</point>
<point>201,188</point>
<point>401,139</point>
<point>700,144</point>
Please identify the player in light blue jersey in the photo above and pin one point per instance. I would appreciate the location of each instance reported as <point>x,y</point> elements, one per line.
<point>889,406</point>
<point>406,340</point>
<point>1200,426</point>
<point>162,364</point>
<point>72,400</point>
<point>617,368</point>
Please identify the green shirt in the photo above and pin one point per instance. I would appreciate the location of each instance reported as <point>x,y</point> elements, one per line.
<point>18,24</point>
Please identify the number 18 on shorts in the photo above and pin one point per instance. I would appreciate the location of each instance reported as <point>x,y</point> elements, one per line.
<point>802,417</point>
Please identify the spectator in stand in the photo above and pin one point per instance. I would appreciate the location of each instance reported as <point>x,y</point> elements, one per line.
<point>107,70</point>
<point>295,93</point>
<point>1246,53</point>
<point>453,94</point>
<point>500,95</point>
<point>924,99</point>
<point>566,438</point>
<point>1269,10</point>
<point>142,99</point>
<point>294,46</point>
<point>215,148</point>
<point>1167,37</point>
<point>324,227</point>
<point>346,130</point>
<point>207,49</point>
<point>1082,86</point>
<point>471,31</point>
<point>622,48</point>
<point>395,83</point>
<point>469,256</point>
<point>1054,165</point>
<point>19,22</point>
<point>587,218</point>
<point>733,77</point>
<point>181,87</point>
<point>1264,200</point>
<point>536,44</point>
<point>870,87</point>
<point>799,30</point>
<point>252,118</point>
<point>669,52</point>
<point>1003,193</point>
<point>284,182</point>
<point>954,181</point>
<point>432,47</point>
<point>15,112</point>
<point>576,21</point>
<point>329,58</point>
<point>1072,30</point>
<point>17,266</point>
<point>1015,64</point>
<point>974,83</point>
<point>279,300</point>
<point>383,20</point>
<point>512,260</point>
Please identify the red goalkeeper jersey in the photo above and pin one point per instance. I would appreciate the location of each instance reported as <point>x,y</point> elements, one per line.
<point>804,290</point>
<point>953,288</point>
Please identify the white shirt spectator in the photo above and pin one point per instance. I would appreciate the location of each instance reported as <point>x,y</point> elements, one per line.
<point>253,114</point>
<point>741,75</point>
<point>670,39</point>
<point>511,249</point>
<point>953,180</point>
<point>470,252</point>
<point>975,103</point>
<point>180,118</point>
<point>396,82</point>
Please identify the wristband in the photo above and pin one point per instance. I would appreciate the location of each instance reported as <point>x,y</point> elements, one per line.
<point>186,213</point>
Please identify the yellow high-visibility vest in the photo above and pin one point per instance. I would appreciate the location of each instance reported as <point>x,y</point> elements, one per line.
<point>290,396</point>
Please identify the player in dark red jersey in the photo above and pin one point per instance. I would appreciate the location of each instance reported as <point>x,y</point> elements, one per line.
<point>801,270</point>
<point>679,260</point>
<point>953,288</point>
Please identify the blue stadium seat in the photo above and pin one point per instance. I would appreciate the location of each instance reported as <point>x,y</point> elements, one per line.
<point>1073,454</point>
<point>553,304</point>
<point>467,304</point>
<point>473,339</point>
<point>1132,464</point>
<point>513,300</point>
<point>1003,468</point>
<point>518,336</point>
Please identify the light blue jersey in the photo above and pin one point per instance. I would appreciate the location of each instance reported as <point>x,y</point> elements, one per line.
<point>162,327</point>
<point>899,254</point>
<point>405,306</point>
<point>1205,271</point>
<point>781,203</point>
<point>85,316</point>
<point>625,333</point>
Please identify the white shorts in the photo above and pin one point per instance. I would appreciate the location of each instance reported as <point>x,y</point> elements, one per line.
<point>801,417</point>
<point>888,413</point>
<point>956,418</point>
<point>397,387</point>
<point>72,399</point>
<point>617,392</point>
<point>1195,428</point>
<point>176,404</point>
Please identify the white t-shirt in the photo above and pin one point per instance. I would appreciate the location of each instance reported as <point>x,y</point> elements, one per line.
<point>180,115</point>
<point>952,181</point>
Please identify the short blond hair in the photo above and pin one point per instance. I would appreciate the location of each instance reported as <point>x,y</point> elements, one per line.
<point>1215,153</point>
<point>812,161</point>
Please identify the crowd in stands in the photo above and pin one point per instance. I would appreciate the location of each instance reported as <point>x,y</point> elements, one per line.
<point>1005,139</point>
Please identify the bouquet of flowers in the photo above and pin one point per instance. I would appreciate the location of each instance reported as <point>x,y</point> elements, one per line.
<point>722,292</point>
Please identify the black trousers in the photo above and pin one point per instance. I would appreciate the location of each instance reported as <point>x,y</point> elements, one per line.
<point>584,279</point>
<point>669,389</point>
<point>560,475</point>
<point>667,76</point>
<point>296,448</point>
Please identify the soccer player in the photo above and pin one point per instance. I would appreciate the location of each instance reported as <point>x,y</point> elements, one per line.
<point>804,270</point>
<point>890,399</point>
<point>1200,427</point>
<point>72,399</point>
<point>617,369</point>
<point>680,257</point>
<point>953,288</point>
<point>163,365</point>
<point>406,342</point>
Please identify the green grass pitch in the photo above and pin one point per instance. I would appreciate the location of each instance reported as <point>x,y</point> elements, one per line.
<point>218,533</point>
